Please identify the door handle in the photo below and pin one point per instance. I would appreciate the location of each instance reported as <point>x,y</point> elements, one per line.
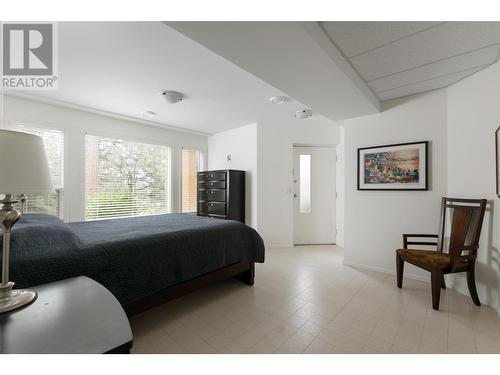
<point>295,195</point>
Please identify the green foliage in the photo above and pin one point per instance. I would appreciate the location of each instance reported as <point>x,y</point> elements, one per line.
<point>130,178</point>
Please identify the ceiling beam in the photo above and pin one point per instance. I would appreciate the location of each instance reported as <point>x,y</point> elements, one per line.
<point>296,58</point>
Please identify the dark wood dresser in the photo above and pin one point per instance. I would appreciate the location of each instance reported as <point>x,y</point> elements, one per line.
<point>221,194</point>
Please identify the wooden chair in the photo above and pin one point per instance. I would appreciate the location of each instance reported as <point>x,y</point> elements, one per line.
<point>456,246</point>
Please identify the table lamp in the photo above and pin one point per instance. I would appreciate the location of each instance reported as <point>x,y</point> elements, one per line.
<point>23,170</point>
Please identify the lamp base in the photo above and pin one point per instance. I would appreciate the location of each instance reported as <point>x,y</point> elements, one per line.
<point>11,299</point>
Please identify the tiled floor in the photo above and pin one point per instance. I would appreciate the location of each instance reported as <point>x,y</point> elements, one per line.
<point>305,301</point>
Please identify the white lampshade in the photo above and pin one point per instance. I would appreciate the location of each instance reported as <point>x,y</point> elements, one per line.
<point>23,164</point>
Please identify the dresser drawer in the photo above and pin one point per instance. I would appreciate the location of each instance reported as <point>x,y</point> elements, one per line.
<point>221,194</point>
<point>212,208</point>
<point>212,185</point>
<point>212,176</point>
<point>213,195</point>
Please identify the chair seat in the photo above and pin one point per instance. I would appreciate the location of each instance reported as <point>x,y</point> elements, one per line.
<point>426,258</point>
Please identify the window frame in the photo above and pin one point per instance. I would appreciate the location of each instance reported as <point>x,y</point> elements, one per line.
<point>128,138</point>
<point>203,162</point>
<point>309,211</point>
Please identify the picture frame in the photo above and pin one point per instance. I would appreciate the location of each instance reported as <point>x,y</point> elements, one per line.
<point>497,161</point>
<point>400,166</point>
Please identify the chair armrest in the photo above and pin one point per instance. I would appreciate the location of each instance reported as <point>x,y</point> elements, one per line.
<point>406,236</point>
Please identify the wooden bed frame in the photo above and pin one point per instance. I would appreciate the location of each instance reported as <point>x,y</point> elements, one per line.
<point>243,271</point>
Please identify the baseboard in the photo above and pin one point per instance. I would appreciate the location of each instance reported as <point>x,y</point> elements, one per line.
<point>278,245</point>
<point>409,275</point>
<point>315,244</point>
<point>304,244</point>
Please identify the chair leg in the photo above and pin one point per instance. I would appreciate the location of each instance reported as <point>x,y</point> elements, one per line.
<point>443,283</point>
<point>400,264</point>
<point>436,288</point>
<point>471,283</point>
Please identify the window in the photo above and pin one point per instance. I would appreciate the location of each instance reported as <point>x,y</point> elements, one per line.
<point>53,141</point>
<point>305,184</point>
<point>191,164</point>
<point>124,178</point>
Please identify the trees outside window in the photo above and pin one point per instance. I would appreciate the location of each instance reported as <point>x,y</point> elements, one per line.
<point>124,178</point>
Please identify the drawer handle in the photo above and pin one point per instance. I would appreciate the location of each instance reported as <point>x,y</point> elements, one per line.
<point>211,191</point>
<point>211,204</point>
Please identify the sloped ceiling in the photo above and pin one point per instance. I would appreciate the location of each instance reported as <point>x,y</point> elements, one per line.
<point>397,59</point>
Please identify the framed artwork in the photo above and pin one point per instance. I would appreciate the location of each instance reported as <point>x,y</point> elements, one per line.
<point>401,166</point>
<point>497,160</point>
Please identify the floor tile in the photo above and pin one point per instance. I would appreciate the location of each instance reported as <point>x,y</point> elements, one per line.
<point>306,301</point>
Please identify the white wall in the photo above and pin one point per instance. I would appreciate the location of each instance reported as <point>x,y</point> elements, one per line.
<point>460,122</point>
<point>76,123</point>
<point>275,166</point>
<point>375,220</point>
<point>265,151</point>
<point>241,144</point>
<point>473,117</point>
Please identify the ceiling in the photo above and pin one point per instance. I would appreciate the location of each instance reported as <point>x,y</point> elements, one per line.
<point>228,70</point>
<point>397,59</point>
<point>121,67</point>
<point>295,57</point>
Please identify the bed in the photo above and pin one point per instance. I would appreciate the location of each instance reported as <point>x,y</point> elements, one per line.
<point>143,261</point>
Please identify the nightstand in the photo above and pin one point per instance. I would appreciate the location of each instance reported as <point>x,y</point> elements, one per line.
<point>76,315</point>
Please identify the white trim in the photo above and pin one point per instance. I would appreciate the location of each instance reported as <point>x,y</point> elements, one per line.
<point>408,275</point>
<point>96,111</point>
<point>278,245</point>
<point>451,285</point>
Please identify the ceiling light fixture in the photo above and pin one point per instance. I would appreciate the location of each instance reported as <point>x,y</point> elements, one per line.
<point>279,99</point>
<point>148,113</point>
<point>172,97</point>
<point>303,113</point>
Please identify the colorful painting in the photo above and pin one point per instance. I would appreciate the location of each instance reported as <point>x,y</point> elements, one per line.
<point>393,167</point>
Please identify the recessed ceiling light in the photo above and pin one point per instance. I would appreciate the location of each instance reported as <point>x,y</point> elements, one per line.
<point>148,114</point>
<point>303,113</point>
<point>172,97</point>
<point>279,99</point>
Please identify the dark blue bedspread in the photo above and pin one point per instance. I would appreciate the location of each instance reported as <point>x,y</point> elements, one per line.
<point>132,257</point>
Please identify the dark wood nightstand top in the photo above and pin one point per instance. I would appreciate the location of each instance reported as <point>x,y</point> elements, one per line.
<point>76,315</point>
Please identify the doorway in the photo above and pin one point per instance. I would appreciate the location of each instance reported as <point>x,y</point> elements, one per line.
<point>314,197</point>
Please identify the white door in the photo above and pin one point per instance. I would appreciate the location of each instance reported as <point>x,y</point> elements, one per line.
<point>314,195</point>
